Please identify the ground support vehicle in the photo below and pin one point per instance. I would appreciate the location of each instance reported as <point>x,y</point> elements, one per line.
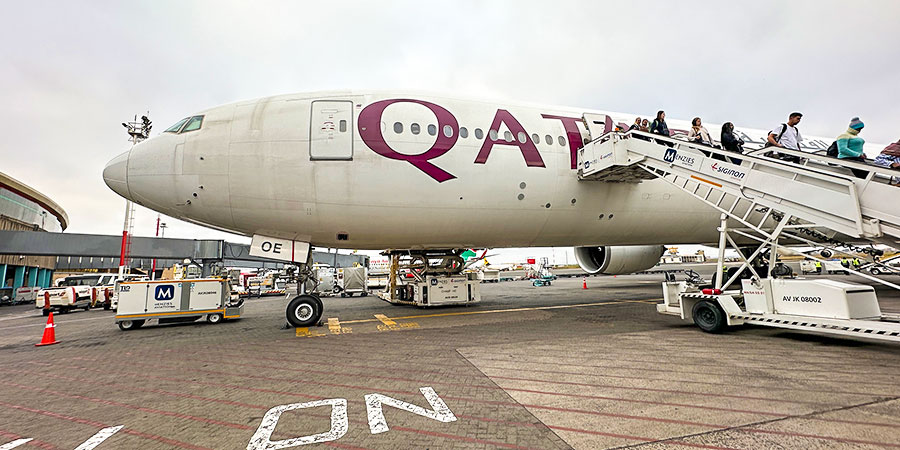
<point>351,280</point>
<point>26,294</point>
<point>463,289</point>
<point>171,301</point>
<point>543,280</point>
<point>6,295</point>
<point>72,292</point>
<point>764,201</point>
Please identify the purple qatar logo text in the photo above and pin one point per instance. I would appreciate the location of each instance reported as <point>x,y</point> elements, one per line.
<point>370,132</point>
<point>369,123</point>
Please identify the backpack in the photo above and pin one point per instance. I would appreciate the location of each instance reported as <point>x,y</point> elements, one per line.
<point>777,138</point>
<point>832,150</point>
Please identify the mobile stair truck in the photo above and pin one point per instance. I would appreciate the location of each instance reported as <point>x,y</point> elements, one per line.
<point>171,301</point>
<point>766,205</point>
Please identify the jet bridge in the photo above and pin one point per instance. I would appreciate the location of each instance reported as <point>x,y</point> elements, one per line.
<point>769,202</point>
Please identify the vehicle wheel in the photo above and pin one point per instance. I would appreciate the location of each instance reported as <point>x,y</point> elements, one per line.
<point>364,294</point>
<point>126,325</point>
<point>875,271</point>
<point>304,311</point>
<point>45,312</point>
<point>214,318</point>
<point>87,307</point>
<point>709,316</point>
<point>343,294</point>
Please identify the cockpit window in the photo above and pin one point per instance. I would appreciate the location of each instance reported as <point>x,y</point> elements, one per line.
<point>193,124</point>
<point>177,126</point>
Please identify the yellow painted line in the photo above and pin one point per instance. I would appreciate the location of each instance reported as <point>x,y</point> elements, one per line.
<point>334,325</point>
<point>305,332</point>
<point>495,311</point>
<point>128,316</point>
<point>385,320</point>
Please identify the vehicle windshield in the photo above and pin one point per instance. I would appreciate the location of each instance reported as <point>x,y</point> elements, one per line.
<point>80,281</point>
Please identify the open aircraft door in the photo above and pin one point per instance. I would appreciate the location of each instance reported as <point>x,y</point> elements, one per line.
<point>331,130</point>
<point>597,124</point>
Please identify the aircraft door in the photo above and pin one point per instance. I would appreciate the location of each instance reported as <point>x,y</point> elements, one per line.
<point>331,130</point>
<point>597,124</point>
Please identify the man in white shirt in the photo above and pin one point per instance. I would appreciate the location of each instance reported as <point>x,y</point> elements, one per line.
<point>787,136</point>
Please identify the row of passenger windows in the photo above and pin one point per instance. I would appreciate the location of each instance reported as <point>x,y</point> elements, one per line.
<point>414,128</point>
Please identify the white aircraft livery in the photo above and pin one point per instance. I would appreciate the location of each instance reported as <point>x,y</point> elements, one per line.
<point>404,171</point>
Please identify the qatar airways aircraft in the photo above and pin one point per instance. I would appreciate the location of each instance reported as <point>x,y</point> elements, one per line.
<point>406,171</point>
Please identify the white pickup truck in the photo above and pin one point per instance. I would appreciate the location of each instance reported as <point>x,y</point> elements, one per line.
<point>76,291</point>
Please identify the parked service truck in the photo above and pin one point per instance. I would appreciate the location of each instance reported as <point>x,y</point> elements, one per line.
<point>169,301</point>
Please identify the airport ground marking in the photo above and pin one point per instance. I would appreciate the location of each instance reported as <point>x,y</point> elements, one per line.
<point>494,311</point>
<point>334,326</point>
<point>306,332</point>
<point>388,324</point>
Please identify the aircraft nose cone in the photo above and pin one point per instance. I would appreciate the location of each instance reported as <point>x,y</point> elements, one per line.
<point>115,174</point>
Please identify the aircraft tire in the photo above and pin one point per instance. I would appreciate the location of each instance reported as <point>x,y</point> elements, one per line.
<point>304,311</point>
<point>709,316</point>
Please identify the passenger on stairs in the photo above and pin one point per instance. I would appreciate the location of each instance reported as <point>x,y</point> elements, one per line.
<point>659,124</point>
<point>850,146</point>
<point>890,158</point>
<point>659,127</point>
<point>730,142</point>
<point>636,125</point>
<point>698,134</point>
<point>786,136</point>
<point>645,126</point>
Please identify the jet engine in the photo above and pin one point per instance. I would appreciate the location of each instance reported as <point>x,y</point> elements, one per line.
<point>618,259</point>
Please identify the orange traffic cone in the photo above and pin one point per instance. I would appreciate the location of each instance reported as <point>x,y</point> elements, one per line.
<point>584,282</point>
<point>49,333</point>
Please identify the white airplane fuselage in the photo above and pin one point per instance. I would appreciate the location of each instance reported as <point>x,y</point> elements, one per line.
<point>344,169</point>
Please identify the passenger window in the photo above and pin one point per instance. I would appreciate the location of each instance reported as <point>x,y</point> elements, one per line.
<point>398,127</point>
<point>342,125</point>
<point>194,124</point>
<point>535,139</point>
<point>463,132</point>
<point>478,133</point>
<point>548,140</point>
<point>414,128</point>
<point>493,135</point>
<point>522,137</point>
<point>507,136</point>
<point>177,126</point>
<point>562,141</point>
<point>432,130</point>
<point>448,131</point>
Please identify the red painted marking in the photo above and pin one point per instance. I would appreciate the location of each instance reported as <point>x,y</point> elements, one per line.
<point>99,425</point>
<point>598,433</point>
<point>137,408</point>
<point>816,436</point>
<point>33,442</point>
<point>673,391</point>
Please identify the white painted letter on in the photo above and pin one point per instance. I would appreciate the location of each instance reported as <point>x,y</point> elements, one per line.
<point>15,444</point>
<point>377,422</point>
<point>339,424</point>
<point>98,438</point>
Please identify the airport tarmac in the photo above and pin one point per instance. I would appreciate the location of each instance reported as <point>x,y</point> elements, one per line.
<point>536,368</point>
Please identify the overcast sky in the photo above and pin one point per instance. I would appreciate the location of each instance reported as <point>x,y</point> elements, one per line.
<point>72,71</point>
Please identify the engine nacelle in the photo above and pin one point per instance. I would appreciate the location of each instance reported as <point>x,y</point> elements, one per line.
<point>618,259</point>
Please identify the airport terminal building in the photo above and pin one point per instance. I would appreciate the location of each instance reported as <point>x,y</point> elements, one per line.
<point>22,208</point>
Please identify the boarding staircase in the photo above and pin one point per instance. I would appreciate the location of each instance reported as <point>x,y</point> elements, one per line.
<point>816,203</point>
<point>818,193</point>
